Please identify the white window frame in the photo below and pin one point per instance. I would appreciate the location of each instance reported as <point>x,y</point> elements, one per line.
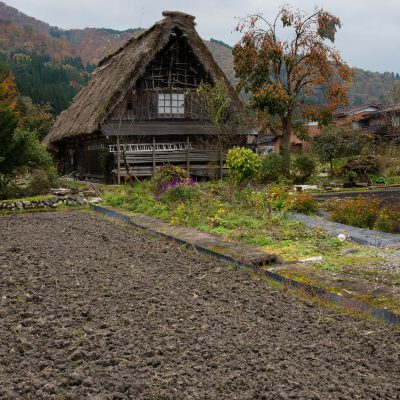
<point>171,103</point>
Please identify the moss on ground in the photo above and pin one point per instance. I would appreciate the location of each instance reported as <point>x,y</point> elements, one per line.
<point>32,198</point>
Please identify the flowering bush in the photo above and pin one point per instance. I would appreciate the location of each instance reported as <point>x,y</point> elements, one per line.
<point>302,203</point>
<point>388,221</point>
<point>365,213</point>
<point>359,212</point>
<point>179,215</point>
<point>164,175</point>
<point>280,199</point>
<point>217,219</point>
<point>178,189</point>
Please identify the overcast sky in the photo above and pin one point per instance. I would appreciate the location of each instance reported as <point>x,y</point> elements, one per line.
<point>369,38</point>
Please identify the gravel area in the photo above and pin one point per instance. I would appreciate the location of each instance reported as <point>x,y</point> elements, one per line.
<point>93,310</point>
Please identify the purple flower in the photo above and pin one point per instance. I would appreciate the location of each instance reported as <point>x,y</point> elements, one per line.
<point>174,183</point>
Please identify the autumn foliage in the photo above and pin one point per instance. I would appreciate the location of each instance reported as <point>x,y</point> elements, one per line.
<point>284,75</point>
<point>8,89</point>
<point>20,149</point>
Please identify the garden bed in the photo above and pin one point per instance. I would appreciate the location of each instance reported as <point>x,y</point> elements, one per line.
<point>90,309</point>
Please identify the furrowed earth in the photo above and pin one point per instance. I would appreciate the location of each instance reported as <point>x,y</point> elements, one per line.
<point>94,310</point>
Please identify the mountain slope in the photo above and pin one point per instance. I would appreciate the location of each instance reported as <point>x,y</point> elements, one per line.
<point>20,33</point>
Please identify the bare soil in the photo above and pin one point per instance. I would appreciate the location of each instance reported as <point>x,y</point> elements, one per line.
<point>92,310</point>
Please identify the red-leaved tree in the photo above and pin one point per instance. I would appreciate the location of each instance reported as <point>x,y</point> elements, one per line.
<point>287,78</point>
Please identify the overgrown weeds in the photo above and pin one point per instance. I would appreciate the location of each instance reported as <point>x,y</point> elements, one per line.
<point>255,215</point>
<point>365,213</point>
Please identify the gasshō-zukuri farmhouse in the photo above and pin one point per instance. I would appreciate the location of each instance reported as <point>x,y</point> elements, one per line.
<point>140,109</point>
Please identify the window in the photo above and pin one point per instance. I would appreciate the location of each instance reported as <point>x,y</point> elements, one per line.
<point>171,104</point>
<point>267,150</point>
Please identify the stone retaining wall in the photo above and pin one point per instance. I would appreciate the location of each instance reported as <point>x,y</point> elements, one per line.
<point>52,202</point>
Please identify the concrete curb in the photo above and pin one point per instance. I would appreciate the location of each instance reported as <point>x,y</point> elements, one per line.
<point>379,314</point>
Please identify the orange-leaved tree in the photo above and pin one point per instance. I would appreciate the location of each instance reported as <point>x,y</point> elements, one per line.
<point>20,149</point>
<point>283,75</point>
<point>8,88</point>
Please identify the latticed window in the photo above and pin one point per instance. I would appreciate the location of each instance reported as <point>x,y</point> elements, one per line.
<point>171,103</point>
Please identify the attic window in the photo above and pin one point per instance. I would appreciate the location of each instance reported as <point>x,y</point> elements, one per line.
<point>171,103</point>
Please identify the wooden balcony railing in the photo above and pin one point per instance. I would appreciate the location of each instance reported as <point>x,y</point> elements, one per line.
<point>149,147</point>
<point>143,159</point>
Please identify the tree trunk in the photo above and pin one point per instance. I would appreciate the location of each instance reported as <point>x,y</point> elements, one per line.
<point>285,142</point>
<point>128,171</point>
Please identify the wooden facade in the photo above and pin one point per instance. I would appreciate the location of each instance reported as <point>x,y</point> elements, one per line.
<point>149,117</point>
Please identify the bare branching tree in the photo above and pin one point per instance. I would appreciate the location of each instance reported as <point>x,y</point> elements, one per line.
<point>229,123</point>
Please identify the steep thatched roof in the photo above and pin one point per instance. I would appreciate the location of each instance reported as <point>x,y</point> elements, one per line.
<point>121,70</point>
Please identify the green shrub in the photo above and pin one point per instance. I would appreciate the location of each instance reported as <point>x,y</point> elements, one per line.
<point>42,181</point>
<point>303,167</point>
<point>243,164</point>
<point>382,180</point>
<point>359,167</point>
<point>273,168</point>
<point>337,166</point>
<point>183,191</point>
<point>276,198</point>
<point>351,177</point>
<point>335,142</point>
<point>116,199</point>
<point>12,191</point>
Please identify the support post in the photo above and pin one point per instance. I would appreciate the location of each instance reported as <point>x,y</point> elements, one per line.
<point>118,162</point>
<point>221,164</point>
<point>154,155</point>
<point>188,155</point>
<point>258,144</point>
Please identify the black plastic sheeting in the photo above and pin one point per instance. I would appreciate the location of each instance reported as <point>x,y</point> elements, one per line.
<point>354,305</point>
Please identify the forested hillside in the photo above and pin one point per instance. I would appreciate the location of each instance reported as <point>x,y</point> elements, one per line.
<point>45,80</point>
<point>371,87</point>
<point>51,64</point>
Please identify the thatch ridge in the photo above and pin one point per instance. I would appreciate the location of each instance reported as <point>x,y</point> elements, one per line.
<point>119,71</point>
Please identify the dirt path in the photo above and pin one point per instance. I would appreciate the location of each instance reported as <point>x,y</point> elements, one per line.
<point>91,310</point>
